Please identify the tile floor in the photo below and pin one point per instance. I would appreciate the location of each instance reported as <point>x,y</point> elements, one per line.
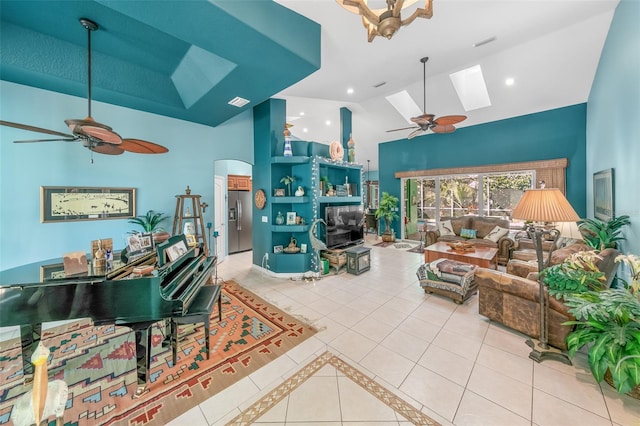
<point>444,359</point>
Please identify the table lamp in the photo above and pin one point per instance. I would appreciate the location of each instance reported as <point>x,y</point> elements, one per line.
<point>544,205</point>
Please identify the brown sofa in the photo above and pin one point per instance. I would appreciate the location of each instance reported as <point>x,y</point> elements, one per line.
<point>514,301</point>
<point>482,226</point>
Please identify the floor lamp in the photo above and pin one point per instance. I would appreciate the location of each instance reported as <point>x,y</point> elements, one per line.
<point>544,205</point>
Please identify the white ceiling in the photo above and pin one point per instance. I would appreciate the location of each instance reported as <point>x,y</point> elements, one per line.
<point>551,48</point>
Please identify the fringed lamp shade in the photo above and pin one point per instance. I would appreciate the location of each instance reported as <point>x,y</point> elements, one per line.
<point>544,205</point>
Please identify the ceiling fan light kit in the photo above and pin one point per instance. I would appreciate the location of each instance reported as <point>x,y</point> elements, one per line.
<point>93,135</point>
<point>444,124</point>
<point>386,22</point>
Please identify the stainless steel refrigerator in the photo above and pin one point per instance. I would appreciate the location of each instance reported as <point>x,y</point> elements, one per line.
<point>239,221</point>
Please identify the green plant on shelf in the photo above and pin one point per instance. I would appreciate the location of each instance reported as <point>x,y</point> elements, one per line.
<point>288,180</point>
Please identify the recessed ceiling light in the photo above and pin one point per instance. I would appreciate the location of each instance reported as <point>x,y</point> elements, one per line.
<point>302,113</point>
<point>509,81</point>
<point>305,130</point>
<point>238,102</point>
<point>350,90</point>
<point>328,122</point>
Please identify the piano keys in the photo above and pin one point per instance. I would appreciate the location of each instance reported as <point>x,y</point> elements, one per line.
<point>176,289</point>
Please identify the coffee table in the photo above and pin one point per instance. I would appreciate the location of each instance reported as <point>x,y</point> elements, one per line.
<point>483,256</point>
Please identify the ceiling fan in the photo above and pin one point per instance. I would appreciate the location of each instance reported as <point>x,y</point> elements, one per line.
<point>444,124</point>
<point>96,136</point>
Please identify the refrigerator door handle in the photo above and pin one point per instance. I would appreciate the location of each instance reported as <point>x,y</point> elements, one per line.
<point>239,222</point>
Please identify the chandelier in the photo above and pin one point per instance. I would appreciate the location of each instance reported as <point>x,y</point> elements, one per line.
<point>385,22</point>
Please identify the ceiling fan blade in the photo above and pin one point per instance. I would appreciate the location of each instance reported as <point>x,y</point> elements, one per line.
<point>415,133</point>
<point>140,146</point>
<point>449,119</point>
<point>90,127</point>
<point>34,129</point>
<point>45,140</point>
<point>443,129</point>
<point>404,128</point>
<point>106,148</point>
<point>423,119</point>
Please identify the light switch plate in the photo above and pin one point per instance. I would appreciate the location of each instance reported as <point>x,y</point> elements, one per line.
<point>265,219</point>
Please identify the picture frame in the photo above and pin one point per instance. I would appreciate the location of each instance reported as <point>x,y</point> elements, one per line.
<point>74,203</point>
<point>139,245</point>
<point>278,192</point>
<point>176,250</point>
<point>291,218</point>
<point>303,248</point>
<point>278,249</point>
<point>191,240</point>
<point>603,195</point>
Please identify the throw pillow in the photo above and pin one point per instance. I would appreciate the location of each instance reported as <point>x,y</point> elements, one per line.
<point>445,228</point>
<point>496,233</point>
<point>468,233</point>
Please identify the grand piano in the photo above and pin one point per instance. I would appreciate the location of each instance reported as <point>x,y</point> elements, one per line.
<point>180,286</point>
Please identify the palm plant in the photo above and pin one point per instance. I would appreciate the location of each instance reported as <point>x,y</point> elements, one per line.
<point>288,180</point>
<point>150,222</point>
<point>601,235</point>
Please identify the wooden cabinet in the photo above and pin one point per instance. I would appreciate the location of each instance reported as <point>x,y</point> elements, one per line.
<point>238,183</point>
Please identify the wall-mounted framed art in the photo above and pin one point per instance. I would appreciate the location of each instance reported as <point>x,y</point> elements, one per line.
<point>71,203</point>
<point>603,195</point>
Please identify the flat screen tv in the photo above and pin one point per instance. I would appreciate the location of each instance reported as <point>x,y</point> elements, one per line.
<point>345,225</point>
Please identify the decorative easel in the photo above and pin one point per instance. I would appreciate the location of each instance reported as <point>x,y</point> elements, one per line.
<point>183,215</point>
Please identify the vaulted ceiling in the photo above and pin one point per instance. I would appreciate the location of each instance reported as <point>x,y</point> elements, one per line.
<point>187,59</point>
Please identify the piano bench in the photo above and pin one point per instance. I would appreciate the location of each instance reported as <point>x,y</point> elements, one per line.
<point>199,312</point>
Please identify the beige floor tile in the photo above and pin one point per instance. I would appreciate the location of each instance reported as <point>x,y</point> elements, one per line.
<point>453,342</point>
<point>193,417</point>
<point>306,349</point>
<point>326,306</point>
<point>578,388</point>
<point>387,364</point>
<point>551,411</point>
<point>420,329</point>
<point>359,405</point>
<point>266,375</point>
<point>507,363</point>
<point>276,415</point>
<point>347,317</point>
<point>428,313</point>
<point>353,345</point>
<point>405,344</point>
<point>475,410</point>
<point>440,395</point>
<point>328,329</point>
<point>623,409</point>
<point>315,400</point>
<point>373,329</point>
<point>222,403</point>
<point>447,364</point>
<point>509,393</point>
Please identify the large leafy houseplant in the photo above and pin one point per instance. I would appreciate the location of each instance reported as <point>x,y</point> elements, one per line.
<point>387,211</point>
<point>150,222</point>
<point>601,235</point>
<point>576,274</point>
<point>609,320</point>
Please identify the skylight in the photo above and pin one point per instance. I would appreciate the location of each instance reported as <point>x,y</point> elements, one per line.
<point>405,105</point>
<point>471,88</point>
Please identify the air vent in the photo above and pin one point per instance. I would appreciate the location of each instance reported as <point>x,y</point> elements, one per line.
<point>382,83</point>
<point>238,102</point>
<point>483,42</point>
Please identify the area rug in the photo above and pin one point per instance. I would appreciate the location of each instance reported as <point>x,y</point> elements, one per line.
<point>383,244</point>
<point>98,363</point>
<point>416,249</point>
<point>402,245</point>
<point>264,404</point>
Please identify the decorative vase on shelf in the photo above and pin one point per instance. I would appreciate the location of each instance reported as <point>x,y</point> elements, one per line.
<point>288,152</point>
<point>351,150</point>
<point>279,219</point>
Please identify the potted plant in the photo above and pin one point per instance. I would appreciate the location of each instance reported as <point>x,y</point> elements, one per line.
<point>288,180</point>
<point>576,274</point>
<point>387,210</point>
<point>600,235</point>
<point>151,222</point>
<point>609,321</point>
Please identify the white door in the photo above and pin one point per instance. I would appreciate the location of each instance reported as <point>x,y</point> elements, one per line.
<point>219,191</point>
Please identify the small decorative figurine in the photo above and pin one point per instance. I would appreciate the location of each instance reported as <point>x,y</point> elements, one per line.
<point>299,192</point>
<point>351,150</point>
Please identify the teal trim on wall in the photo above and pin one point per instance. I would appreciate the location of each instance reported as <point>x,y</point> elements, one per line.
<point>193,149</point>
<point>613,128</point>
<point>559,133</point>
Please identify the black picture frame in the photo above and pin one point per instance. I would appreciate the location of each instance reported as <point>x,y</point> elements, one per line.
<point>603,195</point>
<point>73,203</point>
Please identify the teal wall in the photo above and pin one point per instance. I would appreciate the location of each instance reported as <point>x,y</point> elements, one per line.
<point>613,127</point>
<point>157,178</point>
<point>558,133</point>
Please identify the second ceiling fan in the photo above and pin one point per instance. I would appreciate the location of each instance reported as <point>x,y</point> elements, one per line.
<point>424,122</point>
<point>96,136</point>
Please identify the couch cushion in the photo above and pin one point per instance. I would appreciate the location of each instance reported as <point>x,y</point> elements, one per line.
<point>496,233</point>
<point>467,233</point>
<point>446,228</point>
<point>458,223</point>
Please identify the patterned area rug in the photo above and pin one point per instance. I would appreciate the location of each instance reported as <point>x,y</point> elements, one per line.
<point>417,249</point>
<point>98,363</point>
<point>383,244</point>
